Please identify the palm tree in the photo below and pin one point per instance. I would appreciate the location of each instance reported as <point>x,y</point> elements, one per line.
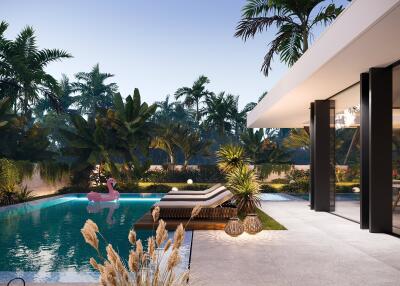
<point>190,143</point>
<point>65,99</point>
<point>22,70</point>
<point>89,145</point>
<point>220,109</point>
<point>239,117</point>
<point>295,21</point>
<point>173,111</point>
<point>297,139</point>
<point>164,108</point>
<point>252,142</point>
<point>5,104</point>
<point>164,140</point>
<point>194,95</point>
<point>94,93</point>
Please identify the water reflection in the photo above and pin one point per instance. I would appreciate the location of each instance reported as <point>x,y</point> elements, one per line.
<point>97,207</point>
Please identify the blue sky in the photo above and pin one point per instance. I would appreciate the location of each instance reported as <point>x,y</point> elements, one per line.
<point>157,46</point>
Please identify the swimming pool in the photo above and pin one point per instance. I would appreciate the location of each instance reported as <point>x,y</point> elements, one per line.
<point>276,197</point>
<point>40,241</point>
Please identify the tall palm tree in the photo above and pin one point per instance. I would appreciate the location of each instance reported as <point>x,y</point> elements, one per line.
<point>173,111</point>
<point>93,93</point>
<point>219,109</point>
<point>22,70</point>
<point>194,95</point>
<point>64,98</point>
<point>239,117</point>
<point>295,21</point>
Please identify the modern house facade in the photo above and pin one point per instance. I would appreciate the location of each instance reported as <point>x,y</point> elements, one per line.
<point>345,90</point>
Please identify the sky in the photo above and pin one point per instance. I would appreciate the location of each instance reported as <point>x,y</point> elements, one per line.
<point>156,46</point>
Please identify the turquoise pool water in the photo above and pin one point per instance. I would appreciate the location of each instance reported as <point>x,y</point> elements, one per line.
<point>338,197</point>
<point>41,240</point>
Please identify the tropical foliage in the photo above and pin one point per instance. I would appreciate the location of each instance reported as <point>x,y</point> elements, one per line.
<point>22,71</point>
<point>231,157</point>
<point>294,20</point>
<point>244,182</point>
<point>83,127</point>
<point>194,95</point>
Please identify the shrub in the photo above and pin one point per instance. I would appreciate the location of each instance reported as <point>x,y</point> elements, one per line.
<point>299,186</point>
<point>296,175</point>
<point>266,188</point>
<point>348,188</point>
<point>11,191</point>
<point>206,173</point>
<point>135,188</point>
<point>9,175</point>
<point>280,181</point>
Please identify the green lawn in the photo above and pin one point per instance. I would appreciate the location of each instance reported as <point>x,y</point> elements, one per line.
<point>268,222</point>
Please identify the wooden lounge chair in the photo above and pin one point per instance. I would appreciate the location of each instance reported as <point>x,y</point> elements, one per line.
<point>214,205</point>
<point>194,195</point>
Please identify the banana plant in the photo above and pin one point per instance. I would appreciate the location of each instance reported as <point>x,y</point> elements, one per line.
<point>133,131</point>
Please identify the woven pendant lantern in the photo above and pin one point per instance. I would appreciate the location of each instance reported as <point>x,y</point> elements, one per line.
<point>234,227</point>
<point>252,224</point>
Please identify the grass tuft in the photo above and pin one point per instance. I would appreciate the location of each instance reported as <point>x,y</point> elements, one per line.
<point>268,222</point>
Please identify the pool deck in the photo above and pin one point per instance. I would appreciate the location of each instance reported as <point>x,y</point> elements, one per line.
<point>317,249</point>
<point>146,222</point>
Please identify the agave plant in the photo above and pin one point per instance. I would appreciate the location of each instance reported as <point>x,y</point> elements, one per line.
<point>244,182</point>
<point>231,157</point>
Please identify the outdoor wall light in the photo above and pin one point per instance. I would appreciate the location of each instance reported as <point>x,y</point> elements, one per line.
<point>252,224</point>
<point>234,227</point>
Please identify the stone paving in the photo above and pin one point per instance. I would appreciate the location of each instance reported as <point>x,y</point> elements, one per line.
<point>317,249</point>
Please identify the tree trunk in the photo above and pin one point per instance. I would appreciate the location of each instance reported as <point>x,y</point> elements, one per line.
<point>197,112</point>
<point>305,40</point>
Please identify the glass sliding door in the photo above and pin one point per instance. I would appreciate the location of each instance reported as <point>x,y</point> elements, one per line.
<point>347,154</point>
<point>396,150</point>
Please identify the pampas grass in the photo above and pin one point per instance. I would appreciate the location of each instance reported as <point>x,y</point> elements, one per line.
<point>155,266</point>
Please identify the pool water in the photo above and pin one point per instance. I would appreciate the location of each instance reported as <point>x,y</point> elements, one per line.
<point>275,197</point>
<point>41,240</point>
<point>338,196</point>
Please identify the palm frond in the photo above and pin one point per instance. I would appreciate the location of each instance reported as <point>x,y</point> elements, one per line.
<point>248,27</point>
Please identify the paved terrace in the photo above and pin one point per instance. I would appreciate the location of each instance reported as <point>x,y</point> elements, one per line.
<point>317,249</point>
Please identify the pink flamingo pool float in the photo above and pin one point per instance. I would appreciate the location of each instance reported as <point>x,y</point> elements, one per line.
<point>111,196</point>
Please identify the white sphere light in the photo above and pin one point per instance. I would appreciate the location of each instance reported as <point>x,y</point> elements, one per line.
<point>189,181</point>
<point>174,189</point>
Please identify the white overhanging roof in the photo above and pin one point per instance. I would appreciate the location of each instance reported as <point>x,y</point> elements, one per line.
<point>365,35</point>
